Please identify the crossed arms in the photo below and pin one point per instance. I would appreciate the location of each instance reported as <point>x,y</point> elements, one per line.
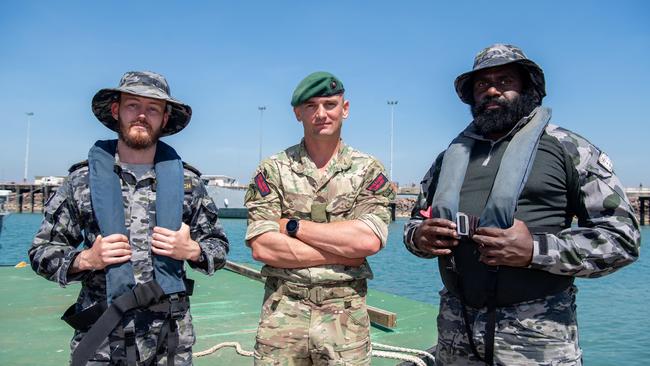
<point>344,242</point>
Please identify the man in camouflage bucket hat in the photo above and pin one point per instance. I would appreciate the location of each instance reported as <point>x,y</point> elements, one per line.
<point>140,110</point>
<point>509,261</point>
<point>145,84</point>
<point>315,212</point>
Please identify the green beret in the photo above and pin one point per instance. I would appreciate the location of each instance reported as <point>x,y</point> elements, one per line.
<point>318,84</point>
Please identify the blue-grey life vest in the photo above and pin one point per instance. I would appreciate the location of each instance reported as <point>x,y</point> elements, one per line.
<point>476,283</point>
<point>513,173</point>
<point>108,207</point>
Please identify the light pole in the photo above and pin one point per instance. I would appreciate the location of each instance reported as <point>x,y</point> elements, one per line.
<point>261,109</point>
<point>392,104</point>
<point>29,117</point>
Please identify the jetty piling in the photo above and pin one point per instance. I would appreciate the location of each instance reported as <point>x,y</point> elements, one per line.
<point>642,212</point>
<point>24,196</point>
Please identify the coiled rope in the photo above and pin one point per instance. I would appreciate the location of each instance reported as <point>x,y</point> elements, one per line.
<point>379,350</point>
<point>214,349</point>
<point>401,351</point>
<point>399,356</point>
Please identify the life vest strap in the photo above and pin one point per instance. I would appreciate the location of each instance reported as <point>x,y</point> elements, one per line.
<point>142,296</point>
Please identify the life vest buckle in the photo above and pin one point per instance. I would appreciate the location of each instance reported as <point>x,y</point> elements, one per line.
<point>176,308</point>
<point>147,293</point>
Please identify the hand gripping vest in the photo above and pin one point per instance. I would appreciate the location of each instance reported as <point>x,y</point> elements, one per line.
<point>499,209</point>
<point>108,207</point>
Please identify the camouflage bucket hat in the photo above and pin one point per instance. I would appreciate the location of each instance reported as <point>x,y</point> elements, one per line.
<point>143,84</point>
<point>499,55</point>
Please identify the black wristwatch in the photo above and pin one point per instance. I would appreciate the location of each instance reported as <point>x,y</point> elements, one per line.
<point>292,227</point>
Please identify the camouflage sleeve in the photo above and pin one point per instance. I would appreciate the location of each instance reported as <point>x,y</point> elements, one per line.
<point>607,237</point>
<point>427,185</point>
<point>206,230</point>
<point>263,200</point>
<point>54,248</point>
<point>371,205</point>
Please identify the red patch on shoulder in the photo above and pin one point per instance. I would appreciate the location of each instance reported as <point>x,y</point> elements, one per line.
<point>378,183</point>
<point>426,213</point>
<point>261,184</point>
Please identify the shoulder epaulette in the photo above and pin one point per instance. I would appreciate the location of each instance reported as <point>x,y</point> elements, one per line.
<point>582,152</point>
<point>191,168</point>
<point>77,166</point>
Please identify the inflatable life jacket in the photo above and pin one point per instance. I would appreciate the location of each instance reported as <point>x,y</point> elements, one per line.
<point>475,283</point>
<point>462,274</point>
<point>108,207</point>
<point>168,291</point>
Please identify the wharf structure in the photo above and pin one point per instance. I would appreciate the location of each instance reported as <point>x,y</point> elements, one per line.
<point>26,196</point>
<point>640,200</point>
<point>31,197</point>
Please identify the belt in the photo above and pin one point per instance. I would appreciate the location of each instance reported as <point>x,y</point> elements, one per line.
<point>319,294</point>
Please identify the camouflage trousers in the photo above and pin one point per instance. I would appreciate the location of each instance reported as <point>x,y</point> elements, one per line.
<point>147,326</point>
<point>316,325</point>
<point>538,332</point>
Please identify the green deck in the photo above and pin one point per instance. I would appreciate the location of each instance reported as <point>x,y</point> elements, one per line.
<point>225,308</point>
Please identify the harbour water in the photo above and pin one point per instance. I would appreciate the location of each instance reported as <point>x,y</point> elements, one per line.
<point>612,311</point>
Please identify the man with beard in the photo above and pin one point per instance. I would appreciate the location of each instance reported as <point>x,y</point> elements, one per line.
<point>141,213</point>
<point>496,210</point>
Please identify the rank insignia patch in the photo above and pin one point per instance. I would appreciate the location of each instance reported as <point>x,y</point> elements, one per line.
<point>187,185</point>
<point>261,184</point>
<point>378,183</point>
<point>605,162</point>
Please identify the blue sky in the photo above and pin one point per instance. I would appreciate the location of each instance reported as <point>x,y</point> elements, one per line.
<point>226,58</point>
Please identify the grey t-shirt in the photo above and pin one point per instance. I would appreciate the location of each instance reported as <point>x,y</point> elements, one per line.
<point>139,170</point>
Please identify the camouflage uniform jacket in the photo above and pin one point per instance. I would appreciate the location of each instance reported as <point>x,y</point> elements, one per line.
<point>607,237</point>
<point>69,221</point>
<point>289,185</point>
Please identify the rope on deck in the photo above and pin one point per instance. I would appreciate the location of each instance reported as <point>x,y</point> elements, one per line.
<point>399,356</point>
<point>386,347</point>
<point>215,348</point>
<point>379,350</point>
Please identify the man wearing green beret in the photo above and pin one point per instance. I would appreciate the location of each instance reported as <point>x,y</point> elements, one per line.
<point>315,212</point>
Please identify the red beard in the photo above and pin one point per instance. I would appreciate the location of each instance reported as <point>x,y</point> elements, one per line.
<point>136,138</point>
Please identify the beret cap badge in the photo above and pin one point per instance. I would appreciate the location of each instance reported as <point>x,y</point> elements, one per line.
<point>317,84</point>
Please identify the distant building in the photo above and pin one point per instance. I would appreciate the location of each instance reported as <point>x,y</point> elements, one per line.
<point>219,180</point>
<point>50,180</point>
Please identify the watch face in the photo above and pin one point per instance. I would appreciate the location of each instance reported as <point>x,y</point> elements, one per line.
<point>292,226</point>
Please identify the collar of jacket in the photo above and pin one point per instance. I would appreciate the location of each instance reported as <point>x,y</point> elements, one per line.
<point>301,161</point>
